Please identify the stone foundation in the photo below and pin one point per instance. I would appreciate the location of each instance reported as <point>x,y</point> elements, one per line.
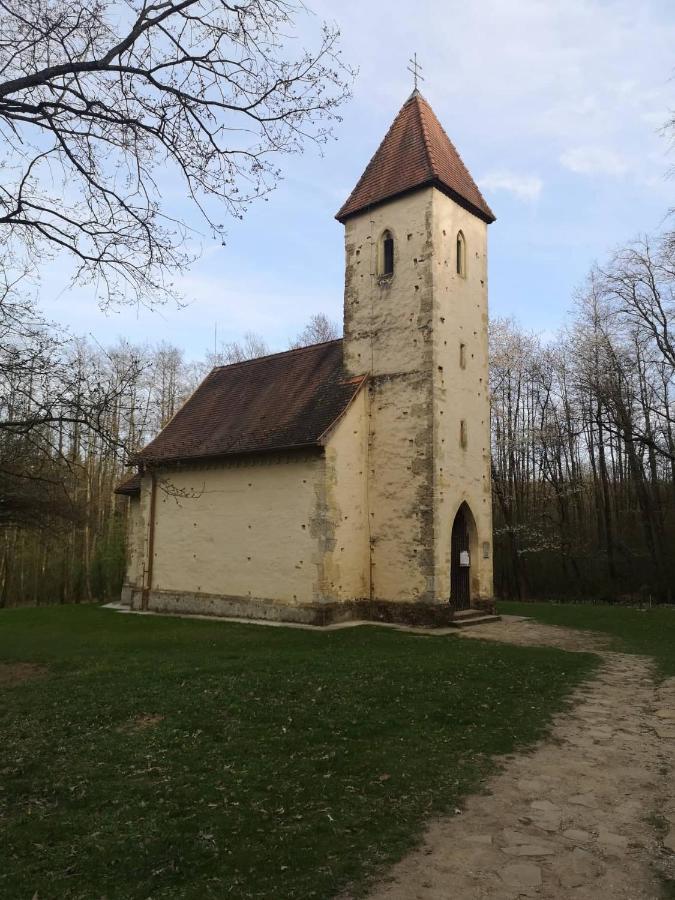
<point>421,614</point>
<point>486,605</point>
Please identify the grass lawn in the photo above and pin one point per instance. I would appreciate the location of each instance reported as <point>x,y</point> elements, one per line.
<point>167,758</point>
<point>649,632</point>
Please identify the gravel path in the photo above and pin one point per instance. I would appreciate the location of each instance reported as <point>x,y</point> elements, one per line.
<point>588,814</point>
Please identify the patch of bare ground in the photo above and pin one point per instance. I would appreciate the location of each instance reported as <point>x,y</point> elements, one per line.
<point>18,672</point>
<point>588,814</point>
<point>529,633</point>
<point>141,722</point>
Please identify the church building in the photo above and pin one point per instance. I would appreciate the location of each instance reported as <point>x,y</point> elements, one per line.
<point>349,479</point>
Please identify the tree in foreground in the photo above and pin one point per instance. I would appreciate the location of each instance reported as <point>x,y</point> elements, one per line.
<point>106,107</point>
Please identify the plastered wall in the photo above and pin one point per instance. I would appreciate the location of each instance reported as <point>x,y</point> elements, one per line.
<point>135,542</point>
<point>347,558</point>
<point>388,333</point>
<point>460,316</point>
<point>290,529</point>
<point>242,530</point>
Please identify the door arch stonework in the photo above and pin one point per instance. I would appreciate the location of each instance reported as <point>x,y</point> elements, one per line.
<point>463,550</point>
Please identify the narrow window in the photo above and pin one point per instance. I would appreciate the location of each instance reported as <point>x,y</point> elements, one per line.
<point>462,434</point>
<point>461,255</point>
<point>386,267</point>
<point>462,356</point>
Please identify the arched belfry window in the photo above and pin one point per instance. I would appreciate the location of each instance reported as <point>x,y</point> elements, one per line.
<point>461,255</point>
<point>385,267</point>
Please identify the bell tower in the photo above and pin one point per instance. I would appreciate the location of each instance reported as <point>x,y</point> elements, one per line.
<point>416,320</point>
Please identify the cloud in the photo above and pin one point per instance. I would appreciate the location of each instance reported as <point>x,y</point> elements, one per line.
<point>524,187</point>
<point>594,161</point>
<point>523,88</point>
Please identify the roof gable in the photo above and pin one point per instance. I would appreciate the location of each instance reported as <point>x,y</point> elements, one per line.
<point>279,402</point>
<point>416,152</point>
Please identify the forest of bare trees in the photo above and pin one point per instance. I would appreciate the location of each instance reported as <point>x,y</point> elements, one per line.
<point>583,440</point>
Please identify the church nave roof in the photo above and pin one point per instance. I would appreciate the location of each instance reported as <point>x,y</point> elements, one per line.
<point>279,402</point>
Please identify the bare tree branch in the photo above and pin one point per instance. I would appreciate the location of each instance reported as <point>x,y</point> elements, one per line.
<point>103,105</point>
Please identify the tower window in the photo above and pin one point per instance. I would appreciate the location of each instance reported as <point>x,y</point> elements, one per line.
<point>463,439</point>
<point>386,255</point>
<point>462,356</point>
<point>461,255</point>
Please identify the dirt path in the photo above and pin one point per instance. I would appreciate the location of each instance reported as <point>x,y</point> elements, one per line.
<point>585,815</point>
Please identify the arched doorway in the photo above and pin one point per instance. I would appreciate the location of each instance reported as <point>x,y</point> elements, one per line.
<point>463,529</point>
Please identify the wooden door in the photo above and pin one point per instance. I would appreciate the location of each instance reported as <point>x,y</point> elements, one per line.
<point>460,574</point>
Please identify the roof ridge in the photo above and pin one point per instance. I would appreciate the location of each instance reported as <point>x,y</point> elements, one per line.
<point>371,161</point>
<point>425,133</point>
<point>255,359</point>
<point>459,157</point>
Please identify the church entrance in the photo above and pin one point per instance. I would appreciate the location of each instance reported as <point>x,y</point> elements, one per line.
<point>460,560</point>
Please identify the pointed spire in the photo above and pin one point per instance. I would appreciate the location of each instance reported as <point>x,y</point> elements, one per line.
<point>416,152</point>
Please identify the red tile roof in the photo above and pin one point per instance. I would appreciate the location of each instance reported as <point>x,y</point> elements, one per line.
<point>279,402</point>
<point>416,152</point>
<point>130,486</point>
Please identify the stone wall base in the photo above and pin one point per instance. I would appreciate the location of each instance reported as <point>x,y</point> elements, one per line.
<point>486,605</point>
<point>423,614</point>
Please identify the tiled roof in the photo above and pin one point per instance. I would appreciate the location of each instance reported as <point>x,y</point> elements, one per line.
<point>415,152</point>
<point>279,402</point>
<point>130,486</point>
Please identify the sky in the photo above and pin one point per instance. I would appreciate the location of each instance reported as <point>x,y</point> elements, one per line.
<point>556,107</point>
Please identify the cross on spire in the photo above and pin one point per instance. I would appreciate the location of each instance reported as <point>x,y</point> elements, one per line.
<point>415,68</point>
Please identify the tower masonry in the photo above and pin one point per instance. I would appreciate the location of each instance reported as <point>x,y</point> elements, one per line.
<point>416,320</point>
